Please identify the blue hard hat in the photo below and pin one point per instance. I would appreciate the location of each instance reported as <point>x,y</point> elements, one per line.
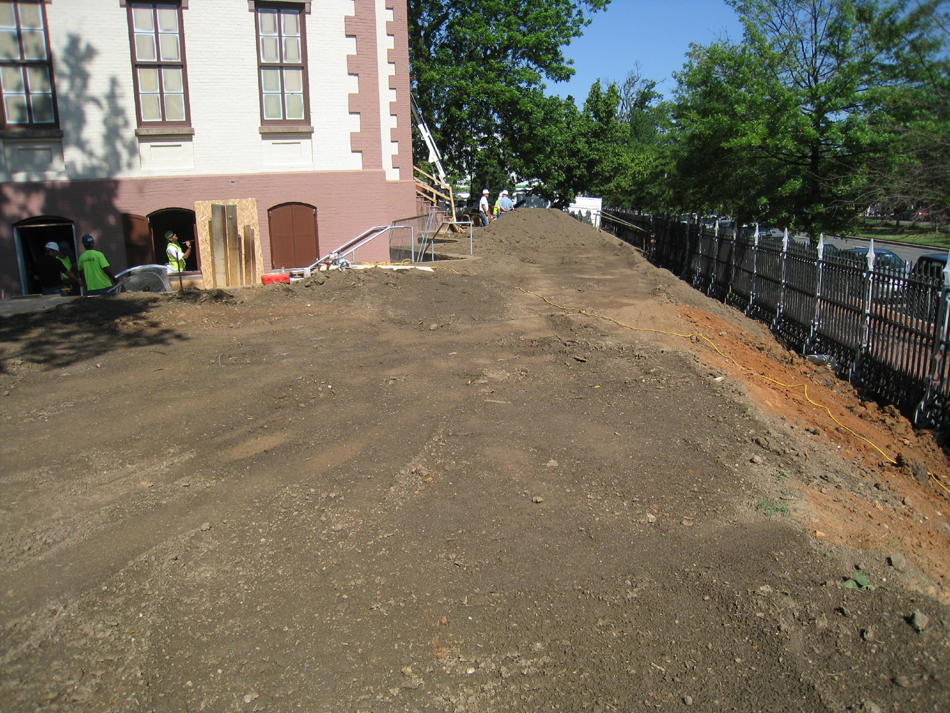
<point>88,241</point>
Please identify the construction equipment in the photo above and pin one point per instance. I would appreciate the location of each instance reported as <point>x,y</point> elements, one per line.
<point>434,155</point>
<point>434,189</point>
<point>142,278</point>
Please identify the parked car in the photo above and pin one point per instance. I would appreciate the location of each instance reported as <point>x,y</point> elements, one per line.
<point>925,286</point>
<point>890,289</point>
<point>931,265</point>
<point>882,258</point>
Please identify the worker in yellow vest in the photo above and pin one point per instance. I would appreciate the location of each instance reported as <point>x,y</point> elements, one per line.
<point>176,257</point>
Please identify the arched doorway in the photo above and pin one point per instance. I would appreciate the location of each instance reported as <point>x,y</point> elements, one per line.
<point>293,235</point>
<point>145,236</point>
<point>31,236</point>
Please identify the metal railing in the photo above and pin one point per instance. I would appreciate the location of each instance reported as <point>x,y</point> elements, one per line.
<point>886,328</point>
<point>426,230</point>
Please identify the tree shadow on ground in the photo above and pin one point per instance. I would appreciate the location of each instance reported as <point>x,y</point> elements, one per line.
<point>80,330</point>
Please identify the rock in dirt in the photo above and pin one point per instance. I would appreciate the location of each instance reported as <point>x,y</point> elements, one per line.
<point>919,621</point>
<point>898,561</point>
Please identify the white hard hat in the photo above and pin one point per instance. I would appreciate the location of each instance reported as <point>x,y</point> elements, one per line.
<point>485,192</point>
<point>52,246</point>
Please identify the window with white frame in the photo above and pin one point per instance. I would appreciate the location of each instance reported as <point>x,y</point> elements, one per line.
<point>26,70</point>
<point>158,63</point>
<point>281,53</point>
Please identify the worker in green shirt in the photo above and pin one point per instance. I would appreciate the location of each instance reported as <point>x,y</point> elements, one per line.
<point>63,255</point>
<point>96,273</point>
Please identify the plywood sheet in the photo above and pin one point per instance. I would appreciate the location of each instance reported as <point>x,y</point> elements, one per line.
<point>246,217</point>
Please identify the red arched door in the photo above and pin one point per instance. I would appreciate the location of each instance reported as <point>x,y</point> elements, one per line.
<point>293,235</point>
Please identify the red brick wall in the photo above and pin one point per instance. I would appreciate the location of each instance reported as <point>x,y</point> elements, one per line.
<point>347,202</point>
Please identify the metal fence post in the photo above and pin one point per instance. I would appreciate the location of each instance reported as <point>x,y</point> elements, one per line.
<point>819,281</point>
<point>923,413</point>
<point>711,290</point>
<point>755,273</point>
<point>783,284</point>
<point>864,343</point>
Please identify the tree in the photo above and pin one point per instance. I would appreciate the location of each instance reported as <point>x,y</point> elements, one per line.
<point>478,69</point>
<point>641,182</point>
<point>916,172</point>
<point>721,125</point>
<point>570,151</point>
<point>809,89</point>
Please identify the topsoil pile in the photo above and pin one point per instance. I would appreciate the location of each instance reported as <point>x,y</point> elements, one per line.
<point>548,477</point>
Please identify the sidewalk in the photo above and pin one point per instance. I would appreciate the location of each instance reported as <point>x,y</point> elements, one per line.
<point>31,303</point>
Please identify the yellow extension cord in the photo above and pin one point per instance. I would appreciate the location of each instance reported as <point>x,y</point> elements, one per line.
<point>803,387</point>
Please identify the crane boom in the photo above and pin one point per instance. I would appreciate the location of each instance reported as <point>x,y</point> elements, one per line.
<point>434,155</point>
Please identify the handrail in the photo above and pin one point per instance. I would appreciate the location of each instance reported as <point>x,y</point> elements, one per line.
<point>354,244</point>
<point>427,175</point>
<point>348,248</point>
<point>431,189</point>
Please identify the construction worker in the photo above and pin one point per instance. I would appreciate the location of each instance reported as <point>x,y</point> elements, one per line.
<point>484,211</point>
<point>176,258</point>
<point>96,273</point>
<point>51,272</point>
<point>505,203</point>
<point>63,254</point>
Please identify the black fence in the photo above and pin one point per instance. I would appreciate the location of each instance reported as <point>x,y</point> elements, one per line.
<point>883,326</point>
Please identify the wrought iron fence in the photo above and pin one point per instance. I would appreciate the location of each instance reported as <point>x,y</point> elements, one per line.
<point>883,325</point>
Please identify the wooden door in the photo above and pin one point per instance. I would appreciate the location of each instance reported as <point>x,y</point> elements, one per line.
<point>293,235</point>
<point>139,249</point>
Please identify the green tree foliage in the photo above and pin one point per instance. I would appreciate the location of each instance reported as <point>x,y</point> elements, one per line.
<point>647,118</point>
<point>571,152</point>
<point>720,152</point>
<point>781,126</point>
<point>916,171</point>
<point>478,71</point>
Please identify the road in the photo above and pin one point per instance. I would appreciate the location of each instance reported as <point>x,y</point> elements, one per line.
<point>907,252</point>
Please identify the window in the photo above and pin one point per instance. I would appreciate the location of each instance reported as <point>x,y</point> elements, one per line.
<point>281,54</point>
<point>158,63</point>
<point>26,72</point>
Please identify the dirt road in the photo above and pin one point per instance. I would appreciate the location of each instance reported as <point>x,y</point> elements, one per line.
<point>551,477</point>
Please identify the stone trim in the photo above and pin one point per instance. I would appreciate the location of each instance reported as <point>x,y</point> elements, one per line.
<point>125,3</point>
<point>252,4</point>
<point>31,134</point>
<point>152,132</point>
<point>285,129</point>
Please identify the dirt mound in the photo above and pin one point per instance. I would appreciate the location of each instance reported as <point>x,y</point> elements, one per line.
<point>546,477</point>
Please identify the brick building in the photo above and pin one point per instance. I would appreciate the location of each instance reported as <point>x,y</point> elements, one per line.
<point>125,119</point>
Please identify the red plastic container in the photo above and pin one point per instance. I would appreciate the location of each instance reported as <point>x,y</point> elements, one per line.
<point>271,279</point>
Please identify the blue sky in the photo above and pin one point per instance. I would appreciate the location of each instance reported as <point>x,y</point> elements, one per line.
<point>655,33</point>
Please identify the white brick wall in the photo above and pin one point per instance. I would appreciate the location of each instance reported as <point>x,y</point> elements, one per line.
<point>331,85</point>
<point>387,123</point>
<point>92,67</point>
<point>94,91</point>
